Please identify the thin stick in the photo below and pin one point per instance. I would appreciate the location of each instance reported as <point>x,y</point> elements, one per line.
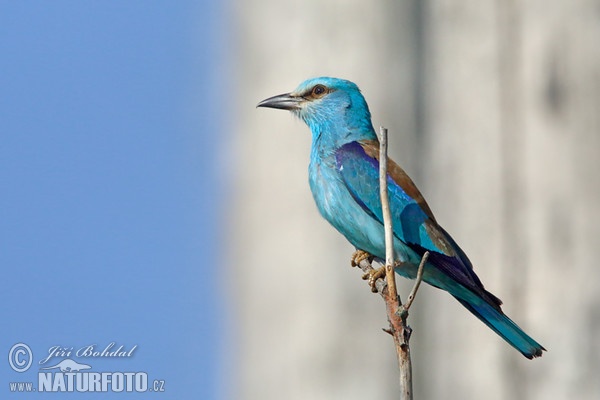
<point>397,319</point>
<point>397,313</point>
<point>413,292</point>
<point>390,276</point>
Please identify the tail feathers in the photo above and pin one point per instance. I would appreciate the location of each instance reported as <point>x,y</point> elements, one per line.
<point>505,328</point>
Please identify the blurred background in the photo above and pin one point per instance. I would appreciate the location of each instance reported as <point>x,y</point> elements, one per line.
<point>146,201</point>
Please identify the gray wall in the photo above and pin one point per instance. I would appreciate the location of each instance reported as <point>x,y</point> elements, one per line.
<point>493,108</point>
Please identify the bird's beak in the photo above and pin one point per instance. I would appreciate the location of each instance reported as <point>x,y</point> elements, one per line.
<point>283,101</point>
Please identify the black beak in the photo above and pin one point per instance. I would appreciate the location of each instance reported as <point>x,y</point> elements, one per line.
<point>283,102</point>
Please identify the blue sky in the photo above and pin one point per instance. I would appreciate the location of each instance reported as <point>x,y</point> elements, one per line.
<point>109,207</point>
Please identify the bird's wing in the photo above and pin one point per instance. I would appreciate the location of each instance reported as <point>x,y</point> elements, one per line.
<point>413,222</point>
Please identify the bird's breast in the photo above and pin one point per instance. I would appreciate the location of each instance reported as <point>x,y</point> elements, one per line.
<point>340,209</point>
<point>326,187</point>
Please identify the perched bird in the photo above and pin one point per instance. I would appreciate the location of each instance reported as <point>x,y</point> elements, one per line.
<point>343,177</point>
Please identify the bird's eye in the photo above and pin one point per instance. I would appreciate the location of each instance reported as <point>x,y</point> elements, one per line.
<point>318,91</point>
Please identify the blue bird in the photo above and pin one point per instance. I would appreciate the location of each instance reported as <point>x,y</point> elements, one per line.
<point>343,177</point>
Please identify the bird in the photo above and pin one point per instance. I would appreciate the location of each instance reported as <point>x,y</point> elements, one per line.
<point>344,181</point>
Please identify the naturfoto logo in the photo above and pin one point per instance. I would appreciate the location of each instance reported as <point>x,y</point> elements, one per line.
<point>59,372</point>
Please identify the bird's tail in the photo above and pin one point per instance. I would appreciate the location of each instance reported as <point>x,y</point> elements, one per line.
<point>504,327</point>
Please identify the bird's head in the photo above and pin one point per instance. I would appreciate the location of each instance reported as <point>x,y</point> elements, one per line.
<point>330,105</point>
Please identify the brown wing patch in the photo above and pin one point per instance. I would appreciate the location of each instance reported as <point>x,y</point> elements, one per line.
<point>439,238</point>
<point>371,148</point>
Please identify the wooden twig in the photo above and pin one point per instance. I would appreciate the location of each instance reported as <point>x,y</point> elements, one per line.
<point>398,327</point>
<point>396,312</point>
<point>390,275</point>
<point>418,279</point>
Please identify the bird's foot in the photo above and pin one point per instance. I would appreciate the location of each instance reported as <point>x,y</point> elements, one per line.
<point>358,256</point>
<point>372,277</point>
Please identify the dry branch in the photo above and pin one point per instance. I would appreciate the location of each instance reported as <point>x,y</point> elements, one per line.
<point>396,312</point>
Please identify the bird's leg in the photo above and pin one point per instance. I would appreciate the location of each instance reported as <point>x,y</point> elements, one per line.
<point>360,255</point>
<point>372,277</point>
<point>377,273</point>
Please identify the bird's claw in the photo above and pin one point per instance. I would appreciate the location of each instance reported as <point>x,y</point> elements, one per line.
<point>372,277</point>
<point>358,256</point>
